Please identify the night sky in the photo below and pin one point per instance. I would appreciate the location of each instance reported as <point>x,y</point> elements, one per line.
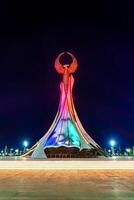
<point>100,35</point>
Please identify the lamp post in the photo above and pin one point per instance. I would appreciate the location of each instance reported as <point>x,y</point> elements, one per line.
<point>112,144</point>
<point>16,152</point>
<point>25,144</point>
<point>128,150</point>
<point>11,152</point>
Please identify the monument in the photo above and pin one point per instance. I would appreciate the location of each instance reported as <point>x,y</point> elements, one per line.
<point>66,137</point>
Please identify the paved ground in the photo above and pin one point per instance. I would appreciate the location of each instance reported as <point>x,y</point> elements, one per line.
<point>116,163</point>
<point>66,184</point>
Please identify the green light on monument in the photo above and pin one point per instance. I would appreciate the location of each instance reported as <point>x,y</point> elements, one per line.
<point>73,135</point>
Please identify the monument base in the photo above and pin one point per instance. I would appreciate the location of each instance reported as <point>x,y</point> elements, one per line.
<point>70,152</point>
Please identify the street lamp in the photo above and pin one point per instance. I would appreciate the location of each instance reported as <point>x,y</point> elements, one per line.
<point>109,150</point>
<point>112,144</point>
<point>16,152</point>
<point>128,150</point>
<point>25,144</point>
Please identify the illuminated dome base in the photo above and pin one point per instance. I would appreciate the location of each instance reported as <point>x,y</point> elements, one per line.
<point>66,136</point>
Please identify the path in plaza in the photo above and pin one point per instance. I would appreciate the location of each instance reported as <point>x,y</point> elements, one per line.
<point>67,184</point>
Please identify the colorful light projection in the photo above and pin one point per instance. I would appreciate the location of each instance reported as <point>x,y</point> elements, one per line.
<point>65,133</point>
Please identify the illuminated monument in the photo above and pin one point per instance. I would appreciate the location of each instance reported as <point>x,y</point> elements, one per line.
<point>66,137</point>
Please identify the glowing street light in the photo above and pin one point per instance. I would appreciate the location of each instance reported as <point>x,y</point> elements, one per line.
<point>112,144</point>
<point>128,150</point>
<point>25,144</point>
<point>109,150</point>
<point>16,151</point>
<point>11,152</point>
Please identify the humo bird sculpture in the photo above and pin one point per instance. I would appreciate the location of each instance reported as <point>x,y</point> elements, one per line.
<point>66,137</point>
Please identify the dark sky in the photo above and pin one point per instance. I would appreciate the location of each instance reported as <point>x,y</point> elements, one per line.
<point>101,36</point>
